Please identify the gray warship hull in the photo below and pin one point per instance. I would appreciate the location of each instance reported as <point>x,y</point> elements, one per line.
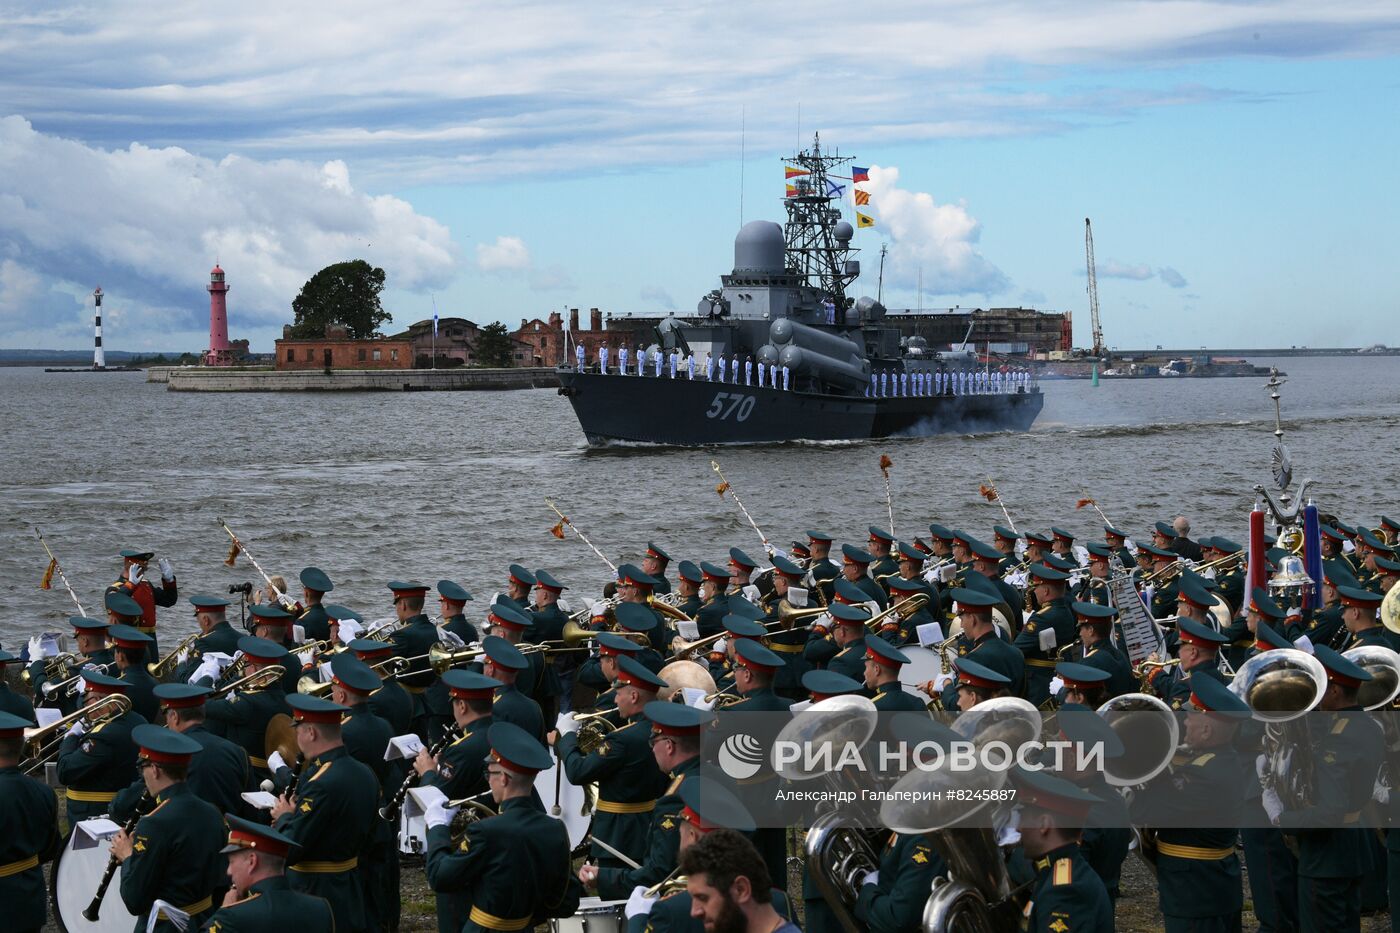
<point>614,409</point>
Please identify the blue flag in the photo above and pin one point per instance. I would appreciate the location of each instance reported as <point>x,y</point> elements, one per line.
<point>434,323</point>
<point>833,190</point>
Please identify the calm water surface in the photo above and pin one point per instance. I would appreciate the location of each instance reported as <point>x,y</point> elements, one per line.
<point>373,487</point>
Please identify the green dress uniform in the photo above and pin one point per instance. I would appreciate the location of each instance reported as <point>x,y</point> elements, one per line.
<point>1040,665</point>
<point>1067,897</point>
<point>510,705</point>
<point>461,773</point>
<point>139,687</point>
<point>220,639</point>
<point>895,902</point>
<point>413,641</point>
<point>1230,586</point>
<point>710,618</point>
<point>463,629</point>
<point>884,567</point>
<point>65,704</point>
<point>1332,861</point>
<point>1106,657</point>
<point>790,644</point>
<point>628,782</point>
<point>498,853</point>
<point>28,838</point>
<point>1326,627</point>
<point>1107,836</point>
<point>243,719</point>
<point>315,623</point>
<point>96,765</point>
<point>219,774</point>
<point>337,800</point>
<point>908,631</point>
<point>819,649</point>
<point>663,842</point>
<point>175,859</point>
<point>1164,599</point>
<point>393,704</point>
<point>366,737</point>
<point>850,660</point>
<point>892,698</point>
<point>271,906</point>
<point>874,591</point>
<point>16,704</point>
<point>1174,687</point>
<point>1198,871</point>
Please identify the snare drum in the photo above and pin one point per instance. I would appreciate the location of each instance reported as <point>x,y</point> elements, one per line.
<point>76,874</point>
<point>593,916</point>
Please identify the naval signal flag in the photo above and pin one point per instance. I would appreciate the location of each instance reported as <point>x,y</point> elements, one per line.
<point>864,220</point>
<point>859,174</point>
<point>789,172</point>
<point>862,197</point>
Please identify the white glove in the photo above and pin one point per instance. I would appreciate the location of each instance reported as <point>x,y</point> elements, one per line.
<point>167,573</point>
<point>439,814</point>
<point>1057,683</point>
<point>78,728</point>
<point>347,630</point>
<point>1272,805</point>
<point>720,646</point>
<point>1380,794</point>
<point>275,762</point>
<point>133,574</point>
<point>36,648</point>
<point>941,680</point>
<point>639,904</point>
<point>872,878</point>
<point>1261,766</point>
<point>209,667</point>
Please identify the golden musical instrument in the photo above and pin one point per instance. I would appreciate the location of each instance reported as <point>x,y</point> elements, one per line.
<point>1150,735</point>
<point>169,661</point>
<point>1390,610</point>
<point>69,686</point>
<point>787,615</point>
<point>666,606</point>
<point>722,699</point>
<point>595,729</point>
<point>469,810</point>
<point>55,666</point>
<point>1383,665</point>
<point>902,609</point>
<point>1145,671</point>
<point>41,745</point>
<point>1281,686</point>
<point>260,679</point>
<point>671,884</point>
<point>575,635</point>
<point>280,736</point>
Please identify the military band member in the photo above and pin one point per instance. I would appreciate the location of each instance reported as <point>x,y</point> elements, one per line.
<point>974,683</point>
<point>459,770</point>
<point>1326,626</point>
<point>1054,615</point>
<point>629,781</point>
<point>90,637</point>
<point>1093,588</point>
<point>911,565</point>
<point>848,634</point>
<point>95,764</point>
<point>173,853</point>
<point>1333,545</point>
<point>822,570</point>
<point>635,588</point>
<point>1062,544</point>
<point>1037,547</point>
<point>129,649</point>
<point>1370,547</point>
<point>880,546</point>
<point>654,564</point>
<point>1264,620</point>
<point>1067,895</point>
<point>1094,624</point>
<point>260,899</point>
<point>741,568</point>
<point>391,702</point>
<point>272,622</point>
<point>1004,540</point>
<point>1084,685</point>
<point>1359,607</point>
<point>855,566</point>
<point>986,562</point>
<point>121,608</point>
<point>504,662</point>
<point>675,744</point>
<point>219,773</point>
<point>1333,856</point>
<point>1117,541</point>
<point>600,673</point>
<point>28,832</point>
<point>881,678</point>
<point>133,583</point>
<point>636,619</point>
<point>513,868</point>
<point>714,603</point>
<point>537,683</point>
<point>1163,592</point>
<point>1107,831</point>
<point>1387,574</point>
<point>415,635</point>
<point>216,635</point>
<point>243,717</point>
<point>906,629</point>
<point>519,582</point>
<point>982,642</point>
<point>453,599</point>
<point>313,619</point>
<point>15,704</point>
<point>689,577</point>
<point>1199,654</point>
<point>331,815</point>
<point>787,641</point>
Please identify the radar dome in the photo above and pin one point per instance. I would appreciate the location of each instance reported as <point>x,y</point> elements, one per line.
<point>843,232</point>
<point>759,247</point>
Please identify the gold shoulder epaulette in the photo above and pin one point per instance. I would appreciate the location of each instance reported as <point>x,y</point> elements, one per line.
<point>1204,759</point>
<point>1063,871</point>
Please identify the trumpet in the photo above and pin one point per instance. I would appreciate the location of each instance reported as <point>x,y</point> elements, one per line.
<point>170,661</point>
<point>69,686</point>
<point>54,666</point>
<point>42,745</point>
<point>260,679</point>
<point>576,636</point>
<point>666,605</point>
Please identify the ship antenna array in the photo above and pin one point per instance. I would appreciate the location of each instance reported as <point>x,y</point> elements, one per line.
<point>812,249</point>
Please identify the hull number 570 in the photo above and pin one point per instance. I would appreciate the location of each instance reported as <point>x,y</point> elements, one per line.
<point>727,404</point>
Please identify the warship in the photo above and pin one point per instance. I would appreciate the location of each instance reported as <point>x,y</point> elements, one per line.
<point>780,352</point>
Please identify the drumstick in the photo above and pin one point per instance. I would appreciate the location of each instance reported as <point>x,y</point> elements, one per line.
<point>616,854</point>
<point>558,779</point>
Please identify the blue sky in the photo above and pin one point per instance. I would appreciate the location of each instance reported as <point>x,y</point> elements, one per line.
<point>1237,159</point>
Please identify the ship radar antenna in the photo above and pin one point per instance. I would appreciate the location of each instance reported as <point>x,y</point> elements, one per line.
<point>818,241</point>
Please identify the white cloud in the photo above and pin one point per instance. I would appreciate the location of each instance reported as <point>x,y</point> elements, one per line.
<point>421,91</point>
<point>507,254</point>
<point>1113,269</point>
<point>147,224</point>
<point>937,240</point>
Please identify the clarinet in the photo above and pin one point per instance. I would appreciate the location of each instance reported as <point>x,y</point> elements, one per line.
<point>91,912</point>
<point>390,811</point>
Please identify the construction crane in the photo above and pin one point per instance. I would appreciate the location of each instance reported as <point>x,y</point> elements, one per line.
<point>1099,349</point>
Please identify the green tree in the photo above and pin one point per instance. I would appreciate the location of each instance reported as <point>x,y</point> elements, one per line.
<point>493,346</point>
<point>344,293</point>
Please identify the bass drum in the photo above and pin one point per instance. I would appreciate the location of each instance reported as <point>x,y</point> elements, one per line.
<point>924,665</point>
<point>76,875</point>
<point>565,801</point>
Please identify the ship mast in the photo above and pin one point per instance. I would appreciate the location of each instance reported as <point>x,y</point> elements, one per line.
<point>813,250</point>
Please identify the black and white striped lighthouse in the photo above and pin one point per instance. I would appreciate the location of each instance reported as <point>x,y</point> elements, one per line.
<point>99,360</point>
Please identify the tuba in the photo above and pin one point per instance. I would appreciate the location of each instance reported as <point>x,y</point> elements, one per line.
<point>1383,665</point>
<point>839,853</point>
<point>1150,734</point>
<point>1281,686</point>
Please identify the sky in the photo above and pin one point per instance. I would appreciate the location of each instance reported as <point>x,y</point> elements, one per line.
<point>501,161</point>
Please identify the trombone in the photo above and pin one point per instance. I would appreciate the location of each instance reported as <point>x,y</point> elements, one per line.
<point>260,679</point>
<point>903,610</point>
<point>42,745</point>
<point>168,662</point>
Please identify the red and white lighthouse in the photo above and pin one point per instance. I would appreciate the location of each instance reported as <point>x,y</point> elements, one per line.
<point>219,352</point>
